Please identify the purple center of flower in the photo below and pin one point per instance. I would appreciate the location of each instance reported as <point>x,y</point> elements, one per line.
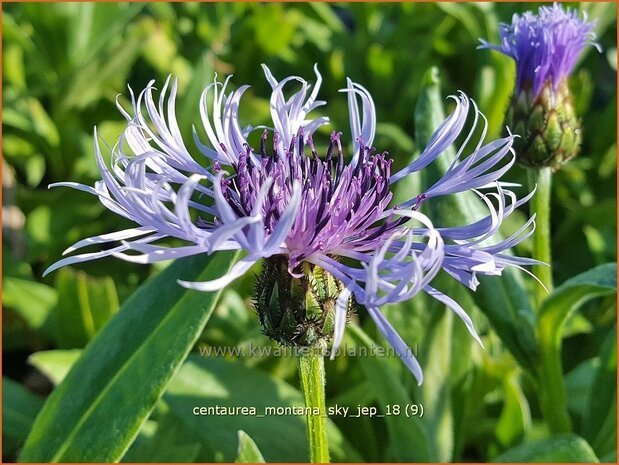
<point>341,205</point>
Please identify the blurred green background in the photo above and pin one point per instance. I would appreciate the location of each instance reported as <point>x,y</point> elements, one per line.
<point>64,66</point>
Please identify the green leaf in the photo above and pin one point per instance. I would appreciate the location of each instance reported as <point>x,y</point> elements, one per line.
<point>202,72</point>
<point>397,136</point>
<point>436,390</point>
<point>328,16</point>
<point>206,383</point>
<point>248,450</point>
<point>27,320</point>
<point>94,25</point>
<point>160,49</point>
<point>55,364</point>
<point>515,417</point>
<point>462,12</point>
<point>267,18</point>
<point>429,114</point>
<point>603,393</point>
<point>93,80</point>
<point>610,457</point>
<point>578,386</point>
<point>599,281</point>
<point>19,409</point>
<point>562,448</point>
<point>13,62</point>
<point>163,441</point>
<point>440,371</point>
<point>495,77</point>
<point>85,304</point>
<point>31,300</point>
<point>553,313</point>
<point>606,440</point>
<point>139,452</point>
<point>408,438</point>
<point>125,368</point>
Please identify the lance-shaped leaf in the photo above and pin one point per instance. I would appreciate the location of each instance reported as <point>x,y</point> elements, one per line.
<point>409,439</point>
<point>555,310</point>
<point>95,413</point>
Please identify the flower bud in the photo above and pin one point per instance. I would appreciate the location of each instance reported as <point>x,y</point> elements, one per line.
<point>545,47</point>
<point>548,126</point>
<point>296,311</point>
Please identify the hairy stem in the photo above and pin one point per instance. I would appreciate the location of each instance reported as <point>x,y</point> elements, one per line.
<point>311,368</point>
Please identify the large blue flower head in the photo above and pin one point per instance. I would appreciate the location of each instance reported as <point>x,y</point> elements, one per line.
<point>320,224</point>
<point>545,46</point>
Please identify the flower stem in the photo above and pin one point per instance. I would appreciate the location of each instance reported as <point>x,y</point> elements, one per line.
<point>540,206</point>
<point>312,370</point>
<point>551,386</point>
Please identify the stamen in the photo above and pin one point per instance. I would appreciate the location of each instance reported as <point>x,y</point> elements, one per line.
<point>291,148</point>
<point>340,158</point>
<point>301,142</point>
<point>263,144</point>
<point>275,144</point>
<point>310,142</point>
<point>248,152</point>
<point>330,149</point>
<point>420,199</point>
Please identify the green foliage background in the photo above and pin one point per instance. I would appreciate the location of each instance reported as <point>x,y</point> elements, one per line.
<point>64,66</point>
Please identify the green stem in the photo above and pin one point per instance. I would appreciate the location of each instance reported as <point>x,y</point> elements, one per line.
<point>551,387</point>
<point>312,370</point>
<point>540,206</point>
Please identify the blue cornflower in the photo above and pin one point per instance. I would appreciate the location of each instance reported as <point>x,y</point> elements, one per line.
<point>545,46</point>
<point>281,203</point>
